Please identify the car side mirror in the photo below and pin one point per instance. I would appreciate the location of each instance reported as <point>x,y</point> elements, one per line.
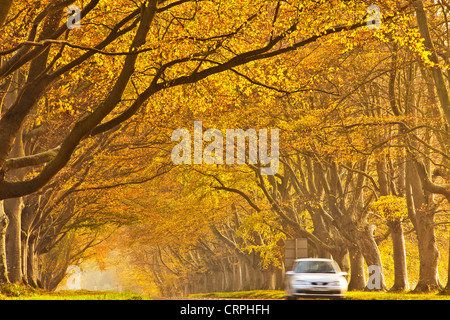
<point>344,274</point>
<point>290,273</point>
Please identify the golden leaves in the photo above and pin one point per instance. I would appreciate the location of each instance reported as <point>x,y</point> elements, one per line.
<point>391,207</point>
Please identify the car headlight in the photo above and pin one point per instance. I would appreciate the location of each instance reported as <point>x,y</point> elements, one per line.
<point>301,282</point>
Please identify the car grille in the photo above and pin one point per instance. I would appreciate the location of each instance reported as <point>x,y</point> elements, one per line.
<point>306,291</point>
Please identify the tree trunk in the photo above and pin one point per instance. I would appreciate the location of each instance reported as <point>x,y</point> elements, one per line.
<point>357,275</point>
<point>279,279</point>
<point>5,6</point>
<point>395,227</point>
<point>371,253</point>
<point>3,264</point>
<point>340,255</point>
<point>13,208</point>
<point>447,287</point>
<point>439,80</point>
<point>399,255</point>
<point>428,253</point>
<point>423,222</point>
<point>24,256</point>
<point>32,263</point>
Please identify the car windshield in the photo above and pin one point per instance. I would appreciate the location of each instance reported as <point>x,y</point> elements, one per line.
<point>315,267</point>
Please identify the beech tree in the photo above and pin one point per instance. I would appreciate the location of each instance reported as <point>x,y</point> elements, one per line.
<point>133,60</point>
<point>343,155</point>
<point>152,45</point>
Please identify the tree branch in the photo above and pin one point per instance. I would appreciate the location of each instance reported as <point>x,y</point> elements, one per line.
<point>430,186</point>
<point>32,160</point>
<point>242,194</point>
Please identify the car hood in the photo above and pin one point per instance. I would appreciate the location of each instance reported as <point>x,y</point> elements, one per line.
<point>317,276</point>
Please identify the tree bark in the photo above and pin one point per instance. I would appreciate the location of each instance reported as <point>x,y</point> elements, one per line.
<point>3,263</point>
<point>399,254</point>
<point>423,222</point>
<point>32,263</point>
<point>447,287</point>
<point>428,253</point>
<point>371,253</point>
<point>438,76</point>
<point>31,160</point>
<point>5,6</point>
<point>13,208</point>
<point>357,275</point>
<point>396,230</point>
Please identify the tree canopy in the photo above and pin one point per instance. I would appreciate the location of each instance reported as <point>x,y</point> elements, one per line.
<point>87,115</point>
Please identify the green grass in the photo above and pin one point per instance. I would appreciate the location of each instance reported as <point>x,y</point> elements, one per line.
<point>20,292</point>
<point>85,295</point>
<point>362,295</point>
<point>353,295</point>
<point>256,294</point>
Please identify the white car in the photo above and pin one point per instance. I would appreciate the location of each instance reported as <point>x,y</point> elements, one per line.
<point>315,278</point>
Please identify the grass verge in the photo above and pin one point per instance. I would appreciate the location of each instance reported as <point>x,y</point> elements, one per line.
<point>255,294</point>
<point>352,295</point>
<point>21,292</point>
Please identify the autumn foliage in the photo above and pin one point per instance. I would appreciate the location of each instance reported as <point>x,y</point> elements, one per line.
<point>85,141</point>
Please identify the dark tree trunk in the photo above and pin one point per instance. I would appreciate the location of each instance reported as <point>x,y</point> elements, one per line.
<point>32,263</point>
<point>357,275</point>
<point>3,264</point>
<point>5,6</point>
<point>447,287</point>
